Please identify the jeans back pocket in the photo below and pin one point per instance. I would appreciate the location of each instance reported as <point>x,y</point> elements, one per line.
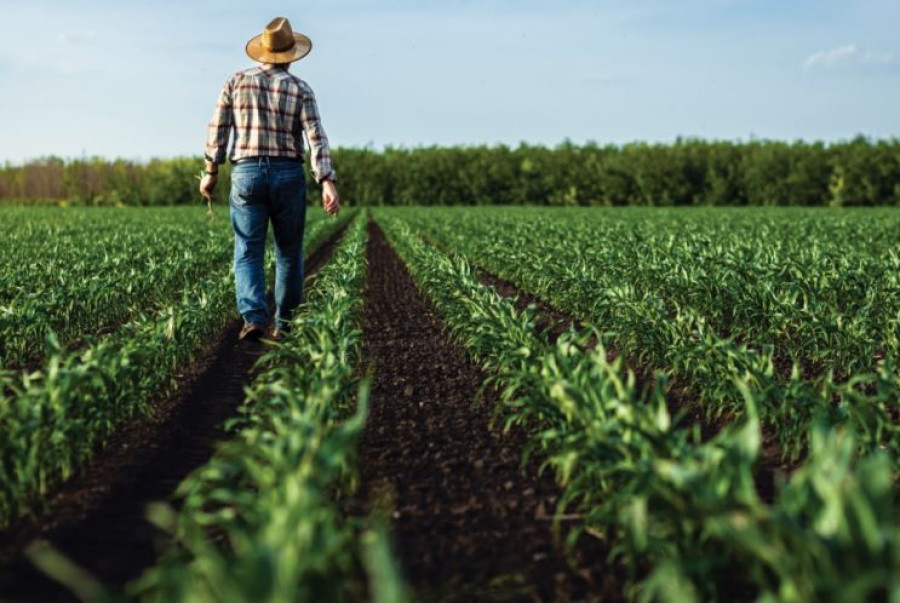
<point>243,186</point>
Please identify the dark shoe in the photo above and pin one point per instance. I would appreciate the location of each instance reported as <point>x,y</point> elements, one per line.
<point>251,331</point>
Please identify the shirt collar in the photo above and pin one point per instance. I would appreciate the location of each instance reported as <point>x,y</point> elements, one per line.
<point>272,68</point>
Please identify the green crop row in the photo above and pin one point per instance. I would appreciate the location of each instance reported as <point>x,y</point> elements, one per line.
<point>259,522</point>
<point>96,270</point>
<point>687,172</point>
<point>53,420</point>
<point>804,307</point>
<point>656,493</point>
<point>822,288</point>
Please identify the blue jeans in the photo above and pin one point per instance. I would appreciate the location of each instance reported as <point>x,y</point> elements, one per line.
<point>263,190</point>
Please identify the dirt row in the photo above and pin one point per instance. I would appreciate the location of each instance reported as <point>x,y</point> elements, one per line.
<point>469,521</point>
<point>98,518</point>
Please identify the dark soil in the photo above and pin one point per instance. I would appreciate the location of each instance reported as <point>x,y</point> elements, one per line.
<point>98,518</point>
<point>469,522</point>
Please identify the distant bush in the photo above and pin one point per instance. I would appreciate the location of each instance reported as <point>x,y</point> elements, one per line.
<point>860,172</point>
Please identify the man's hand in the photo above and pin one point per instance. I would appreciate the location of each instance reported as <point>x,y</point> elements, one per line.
<point>331,202</point>
<point>208,185</point>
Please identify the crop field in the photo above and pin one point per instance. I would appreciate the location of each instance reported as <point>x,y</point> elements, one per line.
<point>488,403</point>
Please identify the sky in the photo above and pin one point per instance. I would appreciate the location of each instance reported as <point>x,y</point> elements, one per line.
<point>139,80</point>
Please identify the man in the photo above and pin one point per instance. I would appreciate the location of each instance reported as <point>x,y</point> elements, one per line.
<point>269,109</point>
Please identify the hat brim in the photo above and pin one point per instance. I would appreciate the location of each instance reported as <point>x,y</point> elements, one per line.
<point>258,52</point>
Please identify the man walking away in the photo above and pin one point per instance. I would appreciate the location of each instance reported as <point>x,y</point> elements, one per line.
<point>269,110</point>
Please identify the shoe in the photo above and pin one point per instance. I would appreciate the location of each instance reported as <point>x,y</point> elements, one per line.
<point>251,331</point>
<point>278,335</point>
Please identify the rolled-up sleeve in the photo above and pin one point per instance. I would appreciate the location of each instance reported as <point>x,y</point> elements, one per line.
<point>220,127</point>
<point>320,153</point>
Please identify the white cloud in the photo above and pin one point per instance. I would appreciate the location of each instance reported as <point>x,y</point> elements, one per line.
<point>879,58</point>
<point>849,55</point>
<point>827,58</point>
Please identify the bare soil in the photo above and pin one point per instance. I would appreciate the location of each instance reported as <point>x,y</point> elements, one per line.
<point>97,519</point>
<point>469,521</point>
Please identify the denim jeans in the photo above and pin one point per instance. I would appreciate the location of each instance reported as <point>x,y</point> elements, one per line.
<point>263,190</point>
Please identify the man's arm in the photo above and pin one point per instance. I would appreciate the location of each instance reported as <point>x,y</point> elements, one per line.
<point>319,151</point>
<point>219,130</point>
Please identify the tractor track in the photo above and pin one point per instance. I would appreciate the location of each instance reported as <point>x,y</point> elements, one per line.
<point>469,521</point>
<point>97,519</point>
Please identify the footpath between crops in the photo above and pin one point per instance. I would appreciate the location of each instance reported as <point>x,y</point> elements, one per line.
<point>98,519</point>
<point>468,519</point>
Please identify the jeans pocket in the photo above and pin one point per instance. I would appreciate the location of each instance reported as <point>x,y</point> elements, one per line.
<point>289,187</point>
<point>242,186</point>
<point>290,179</point>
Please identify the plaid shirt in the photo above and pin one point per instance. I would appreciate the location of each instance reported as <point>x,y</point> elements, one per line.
<point>268,108</point>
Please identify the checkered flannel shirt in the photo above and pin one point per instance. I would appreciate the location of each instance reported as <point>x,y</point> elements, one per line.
<point>269,109</point>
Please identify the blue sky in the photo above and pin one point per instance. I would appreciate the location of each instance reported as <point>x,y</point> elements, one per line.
<point>139,80</point>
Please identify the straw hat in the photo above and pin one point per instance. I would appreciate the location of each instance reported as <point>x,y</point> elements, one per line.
<point>278,44</point>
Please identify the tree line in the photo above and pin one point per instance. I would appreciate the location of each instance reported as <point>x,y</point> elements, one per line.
<point>859,172</point>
